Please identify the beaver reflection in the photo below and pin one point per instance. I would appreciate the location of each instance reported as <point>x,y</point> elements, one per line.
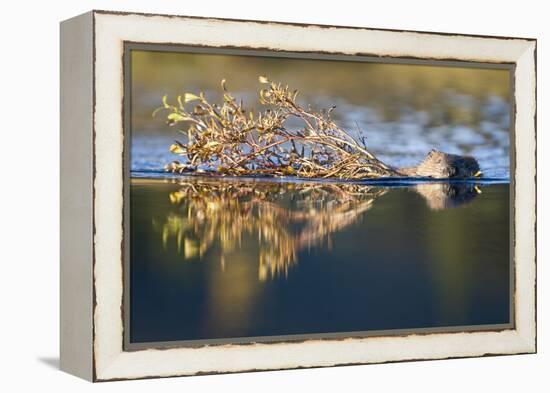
<point>285,218</point>
<point>441,196</point>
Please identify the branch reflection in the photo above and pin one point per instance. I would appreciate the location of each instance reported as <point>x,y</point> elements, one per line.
<point>284,218</point>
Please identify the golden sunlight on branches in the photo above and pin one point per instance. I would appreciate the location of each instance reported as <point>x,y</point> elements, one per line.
<point>228,139</point>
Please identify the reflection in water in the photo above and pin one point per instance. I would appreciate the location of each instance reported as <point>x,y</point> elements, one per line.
<point>285,217</point>
<point>441,196</point>
<point>222,258</point>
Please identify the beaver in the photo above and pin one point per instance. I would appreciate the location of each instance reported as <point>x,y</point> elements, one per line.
<point>441,165</point>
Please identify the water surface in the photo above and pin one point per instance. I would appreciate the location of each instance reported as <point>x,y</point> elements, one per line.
<point>225,258</point>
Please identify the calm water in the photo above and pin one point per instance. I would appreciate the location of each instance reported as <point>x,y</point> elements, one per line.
<point>215,258</point>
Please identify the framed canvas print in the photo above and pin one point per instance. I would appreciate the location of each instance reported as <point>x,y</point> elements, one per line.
<point>246,195</point>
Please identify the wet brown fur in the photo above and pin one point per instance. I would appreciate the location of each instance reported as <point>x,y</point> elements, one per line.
<point>440,165</point>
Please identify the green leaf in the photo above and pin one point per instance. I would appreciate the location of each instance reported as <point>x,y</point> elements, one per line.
<point>165,102</point>
<point>177,149</point>
<point>263,79</point>
<point>190,97</point>
<point>176,117</point>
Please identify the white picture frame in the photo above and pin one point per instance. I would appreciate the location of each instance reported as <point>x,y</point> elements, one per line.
<point>92,192</point>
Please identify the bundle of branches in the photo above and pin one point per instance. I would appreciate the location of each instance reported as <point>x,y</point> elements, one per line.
<point>230,140</point>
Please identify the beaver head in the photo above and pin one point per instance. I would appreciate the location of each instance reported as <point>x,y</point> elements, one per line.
<point>440,165</point>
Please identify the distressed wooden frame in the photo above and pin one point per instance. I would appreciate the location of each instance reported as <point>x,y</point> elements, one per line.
<point>92,182</point>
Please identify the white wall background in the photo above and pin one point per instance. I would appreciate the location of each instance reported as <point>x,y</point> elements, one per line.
<point>29,195</point>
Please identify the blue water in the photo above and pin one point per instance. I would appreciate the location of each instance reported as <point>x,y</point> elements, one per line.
<point>228,258</point>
